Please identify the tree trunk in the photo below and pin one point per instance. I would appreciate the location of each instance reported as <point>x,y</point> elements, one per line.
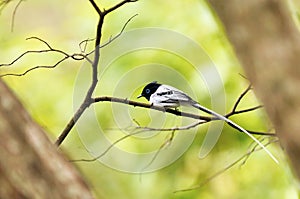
<point>30,166</point>
<point>267,43</point>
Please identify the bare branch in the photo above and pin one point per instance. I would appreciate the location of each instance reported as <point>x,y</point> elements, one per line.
<point>14,15</point>
<point>75,56</point>
<point>34,68</point>
<point>50,49</point>
<point>181,128</point>
<point>245,110</point>
<point>243,157</point>
<point>234,109</point>
<point>253,146</point>
<point>203,120</point>
<point>88,97</point>
<point>137,130</point>
<point>95,7</point>
<point>83,44</point>
<point>240,98</point>
<point>117,6</point>
<point>41,40</point>
<point>146,105</point>
<point>172,111</point>
<point>112,38</point>
<point>110,147</point>
<point>22,55</point>
<point>165,144</point>
<point>140,129</point>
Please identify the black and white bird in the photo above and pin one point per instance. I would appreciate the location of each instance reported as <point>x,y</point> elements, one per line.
<point>169,97</point>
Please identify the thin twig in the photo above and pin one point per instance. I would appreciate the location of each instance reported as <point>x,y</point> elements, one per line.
<point>238,101</point>
<point>245,156</point>
<point>171,111</point>
<point>120,33</point>
<point>88,97</point>
<point>146,105</point>
<point>84,44</point>
<point>108,148</point>
<point>96,7</point>
<point>140,129</point>
<point>34,68</point>
<point>105,12</point>
<point>246,110</point>
<point>113,38</point>
<point>234,111</point>
<point>203,120</point>
<point>14,15</point>
<point>252,149</point>
<point>240,98</point>
<point>162,146</point>
<point>181,128</point>
<point>43,41</point>
<point>137,130</point>
<point>75,56</point>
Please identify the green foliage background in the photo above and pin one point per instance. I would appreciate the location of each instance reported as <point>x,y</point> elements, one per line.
<point>48,96</point>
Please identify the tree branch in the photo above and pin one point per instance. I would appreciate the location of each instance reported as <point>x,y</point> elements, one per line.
<point>165,144</point>
<point>28,162</point>
<point>74,56</point>
<point>117,6</point>
<point>112,38</point>
<point>146,105</point>
<point>14,15</point>
<point>95,6</point>
<point>139,129</point>
<point>88,98</point>
<point>240,98</point>
<point>179,113</point>
<point>242,158</point>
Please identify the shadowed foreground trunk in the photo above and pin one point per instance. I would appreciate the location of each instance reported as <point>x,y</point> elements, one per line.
<point>267,43</point>
<point>30,166</point>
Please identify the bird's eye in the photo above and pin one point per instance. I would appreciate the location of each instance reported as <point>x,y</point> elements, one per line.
<point>148,91</point>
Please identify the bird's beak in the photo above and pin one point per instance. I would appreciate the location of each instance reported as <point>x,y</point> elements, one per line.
<point>140,96</point>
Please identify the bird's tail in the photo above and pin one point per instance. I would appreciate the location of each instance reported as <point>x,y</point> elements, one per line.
<point>228,121</point>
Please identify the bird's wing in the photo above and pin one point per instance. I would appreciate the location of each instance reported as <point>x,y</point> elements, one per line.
<point>169,94</point>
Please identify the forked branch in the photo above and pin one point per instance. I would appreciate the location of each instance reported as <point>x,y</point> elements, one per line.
<point>49,49</point>
<point>88,97</point>
<point>201,120</point>
<point>242,159</point>
<point>184,114</point>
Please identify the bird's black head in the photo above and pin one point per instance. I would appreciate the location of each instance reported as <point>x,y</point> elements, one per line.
<point>149,89</point>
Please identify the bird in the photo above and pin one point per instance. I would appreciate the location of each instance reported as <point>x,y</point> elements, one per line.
<point>166,96</point>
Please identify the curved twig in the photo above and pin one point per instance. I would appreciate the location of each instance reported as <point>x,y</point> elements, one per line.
<point>14,15</point>
<point>75,56</point>
<point>112,38</point>
<point>174,111</point>
<point>243,157</point>
<point>108,148</point>
<point>88,97</point>
<point>34,68</point>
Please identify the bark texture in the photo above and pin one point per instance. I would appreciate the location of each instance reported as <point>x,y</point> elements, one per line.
<point>30,165</point>
<point>267,43</point>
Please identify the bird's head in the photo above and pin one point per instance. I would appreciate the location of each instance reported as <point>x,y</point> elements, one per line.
<point>149,89</point>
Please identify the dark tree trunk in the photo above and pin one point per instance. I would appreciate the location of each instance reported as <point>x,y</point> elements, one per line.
<point>30,165</point>
<point>267,43</point>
